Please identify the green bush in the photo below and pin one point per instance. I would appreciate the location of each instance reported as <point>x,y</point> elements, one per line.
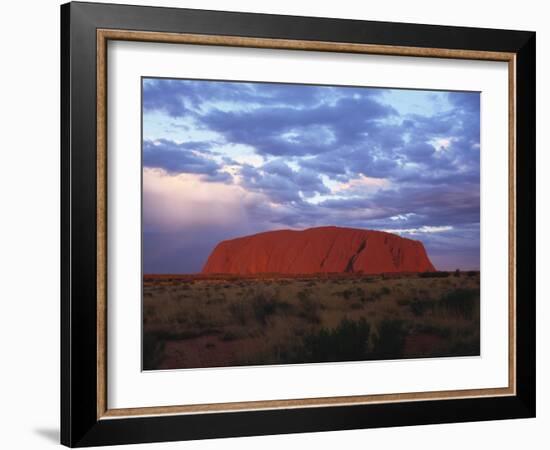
<point>348,342</point>
<point>441,331</point>
<point>265,304</point>
<point>238,311</point>
<point>390,340</point>
<point>346,294</point>
<point>461,302</point>
<point>420,307</point>
<point>309,308</point>
<point>384,290</point>
<point>229,336</point>
<point>466,348</point>
<point>152,350</point>
<point>304,294</point>
<point>433,274</point>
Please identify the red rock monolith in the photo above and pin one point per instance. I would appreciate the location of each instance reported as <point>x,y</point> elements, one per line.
<point>318,250</point>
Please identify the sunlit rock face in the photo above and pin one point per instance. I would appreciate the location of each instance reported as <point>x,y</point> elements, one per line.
<point>318,250</point>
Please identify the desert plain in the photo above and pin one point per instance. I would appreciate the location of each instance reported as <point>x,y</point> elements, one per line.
<point>196,321</point>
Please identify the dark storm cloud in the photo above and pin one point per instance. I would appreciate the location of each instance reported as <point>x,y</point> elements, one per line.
<point>182,158</point>
<point>349,162</point>
<point>285,130</point>
<point>180,97</point>
<point>281,183</point>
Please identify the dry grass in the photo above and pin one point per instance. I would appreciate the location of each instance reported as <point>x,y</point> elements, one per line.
<point>222,322</point>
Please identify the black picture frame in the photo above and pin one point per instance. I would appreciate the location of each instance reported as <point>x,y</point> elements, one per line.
<point>80,425</point>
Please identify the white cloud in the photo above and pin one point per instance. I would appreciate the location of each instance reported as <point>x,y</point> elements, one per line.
<point>422,230</point>
<point>158,125</point>
<point>362,183</point>
<point>241,153</point>
<point>360,186</point>
<point>441,143</point>
<point>402,217</point>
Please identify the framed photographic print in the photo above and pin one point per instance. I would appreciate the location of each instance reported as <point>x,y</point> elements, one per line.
<point>276,224</point>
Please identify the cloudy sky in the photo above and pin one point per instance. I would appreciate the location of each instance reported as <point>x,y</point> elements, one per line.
<point>227,159</point>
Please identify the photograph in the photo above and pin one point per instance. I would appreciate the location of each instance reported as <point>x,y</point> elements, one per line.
<point>298,223</point>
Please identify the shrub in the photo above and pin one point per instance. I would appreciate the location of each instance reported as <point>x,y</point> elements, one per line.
<point>309,309</point>
<point>265,304</point>
<point>201,321</point>
<point>263,307</point>
<point>441,331</point>
<point>238,311</point>
<point>229,336</point>
<point>149,313</point>
<point>304,295</point>
<point>433,274</point>
<point>384,290</point>
<point>348,342</point>
<point>469,347</point>
<point>152,350</point>
<point>362,295</point>
<point>420,307</point>
<point>461,302</point>
<point>390,340</point>
<point>346,294</point>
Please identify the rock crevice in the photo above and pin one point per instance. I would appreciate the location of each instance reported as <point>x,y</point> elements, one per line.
<point>351,262</point>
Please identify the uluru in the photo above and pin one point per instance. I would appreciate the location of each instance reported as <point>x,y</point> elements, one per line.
<point>327,249</point>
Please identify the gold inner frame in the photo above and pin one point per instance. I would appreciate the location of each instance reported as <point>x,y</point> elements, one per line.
<point>103,36</point>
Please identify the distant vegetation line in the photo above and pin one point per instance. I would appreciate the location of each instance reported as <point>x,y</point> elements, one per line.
<point>307,276</point>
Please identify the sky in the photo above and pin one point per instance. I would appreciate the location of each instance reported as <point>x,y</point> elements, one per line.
<point>227,159</point>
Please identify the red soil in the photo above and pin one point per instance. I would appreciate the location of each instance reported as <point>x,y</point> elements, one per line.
<point>206,351</point>
<point>420,344</point>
